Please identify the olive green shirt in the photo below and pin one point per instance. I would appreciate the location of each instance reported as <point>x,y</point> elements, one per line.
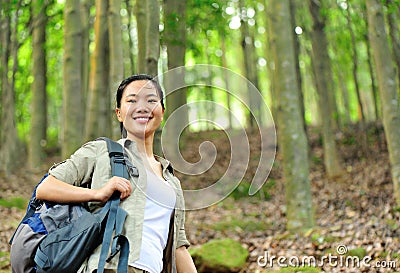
<point>90,167</point>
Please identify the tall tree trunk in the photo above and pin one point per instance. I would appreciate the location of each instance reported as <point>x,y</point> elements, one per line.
<point>37,138</point>
<point>372,76</point>
<point>130,28</point>
<point>345,96</point>
<point>73,97</point>
<point>153,52</point>
<point>393,17</point>
<point>208,94</point>
<point>293,8</point>
<point>85,27</point>
<point>9,142</point>
<point>152,37</point>
<point>116,57</point>
<point>323,82</point>
<point>291,135</point>
<point>141,23</point>
<point>99,114</point>
<point>323,68</point>
<point>364,141</point>
<point>226,79</point>
<point>175,40</point>
<point>355,66</point>
<point>388,88</point>
<point>250,68</point>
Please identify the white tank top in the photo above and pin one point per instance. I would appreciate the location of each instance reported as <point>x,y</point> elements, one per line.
<point>160,202</point>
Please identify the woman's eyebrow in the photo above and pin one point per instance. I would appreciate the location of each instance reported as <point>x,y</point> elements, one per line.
<point>134,95</point>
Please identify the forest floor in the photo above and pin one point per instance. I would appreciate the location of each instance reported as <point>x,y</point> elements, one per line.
<point>354,213</point>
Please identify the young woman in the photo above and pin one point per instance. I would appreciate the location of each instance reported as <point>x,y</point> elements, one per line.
<point>153,200</point>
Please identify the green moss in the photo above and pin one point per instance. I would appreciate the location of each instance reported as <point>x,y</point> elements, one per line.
<point>15,202</point>
<point>240,224</point>
<point>4,259</point>
<point>220,255</point>
<point>357,252</point>
<point>392,224</point>
<point>318,239</point>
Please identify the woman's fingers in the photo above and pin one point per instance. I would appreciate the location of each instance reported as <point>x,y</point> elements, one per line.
<point>123,186</point>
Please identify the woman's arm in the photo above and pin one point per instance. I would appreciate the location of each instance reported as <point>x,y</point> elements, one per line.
<point>55,190</point>
<point>184,262</point>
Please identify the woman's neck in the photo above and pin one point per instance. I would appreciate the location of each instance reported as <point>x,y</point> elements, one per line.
<point>144,145</point>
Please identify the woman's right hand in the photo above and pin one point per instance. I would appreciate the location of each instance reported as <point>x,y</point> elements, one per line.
<point>115,183</point>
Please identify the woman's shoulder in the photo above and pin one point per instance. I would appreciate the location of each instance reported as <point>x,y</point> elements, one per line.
<point>92,148</point>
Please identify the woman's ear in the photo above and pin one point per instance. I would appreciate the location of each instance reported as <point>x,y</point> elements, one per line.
<point>118,113</point>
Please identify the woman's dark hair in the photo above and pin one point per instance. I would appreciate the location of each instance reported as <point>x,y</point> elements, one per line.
<point>138,77</point>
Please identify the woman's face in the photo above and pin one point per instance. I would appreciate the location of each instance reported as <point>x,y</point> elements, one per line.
<point>141,111</point>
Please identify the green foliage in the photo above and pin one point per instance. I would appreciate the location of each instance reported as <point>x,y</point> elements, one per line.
<point>241,225</point>
<point>242,191</point>
<point>14,202</point>
<point>220,255</point>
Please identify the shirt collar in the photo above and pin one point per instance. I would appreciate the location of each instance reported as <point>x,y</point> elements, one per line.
<point>132,146</point>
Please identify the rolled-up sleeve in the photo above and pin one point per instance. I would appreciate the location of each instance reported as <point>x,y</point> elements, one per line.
<point>78,169</point>
<point>181,239</point>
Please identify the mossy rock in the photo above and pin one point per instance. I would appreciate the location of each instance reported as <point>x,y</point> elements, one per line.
<point>220,255</point>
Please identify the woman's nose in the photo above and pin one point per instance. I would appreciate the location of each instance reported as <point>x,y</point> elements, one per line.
<point>142,106</point>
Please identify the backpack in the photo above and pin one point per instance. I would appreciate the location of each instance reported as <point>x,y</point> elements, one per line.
<point>60,237</point>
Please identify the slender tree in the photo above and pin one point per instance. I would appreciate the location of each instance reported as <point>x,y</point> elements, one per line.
<point>294,5</point>
<point>38,129</point>
<point>141,22</point>
<point>175,41</point>
<point>152,39</point>
<point>224,62</point>
<point>388,88</point>
<point>250,65</point>
<point>86,25</point>
<point>323,82</point>
<point>355,70</point>
<point>130,27</point>
<point>9,145</point>
<point>355,64</point>
<point>99,113</point>
<point>372,76</point>
<point>291,135</point>
<point>152,36</point>
<point>393,17</point>
<point>73,99</point>
<point>116,55</point>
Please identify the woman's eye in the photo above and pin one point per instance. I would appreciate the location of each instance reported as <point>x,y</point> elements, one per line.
<point>131,101</point>
<point>152,101</point>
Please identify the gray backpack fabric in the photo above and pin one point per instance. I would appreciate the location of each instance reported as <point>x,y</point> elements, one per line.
<point>47,229</point>
<point>30,233</point>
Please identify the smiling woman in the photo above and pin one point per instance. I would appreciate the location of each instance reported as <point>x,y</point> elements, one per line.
<point>154,200</point>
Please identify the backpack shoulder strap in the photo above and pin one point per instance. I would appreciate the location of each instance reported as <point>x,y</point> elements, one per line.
<point>117,161</point>
<point>116,216</point>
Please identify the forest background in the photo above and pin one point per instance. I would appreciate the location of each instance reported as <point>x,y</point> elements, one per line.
<point>328,70</point>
